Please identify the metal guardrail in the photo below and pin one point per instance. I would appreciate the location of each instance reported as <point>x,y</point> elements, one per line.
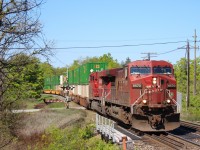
<point>106,128</point>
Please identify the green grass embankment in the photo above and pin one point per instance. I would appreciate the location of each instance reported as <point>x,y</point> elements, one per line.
<point>192,113</point>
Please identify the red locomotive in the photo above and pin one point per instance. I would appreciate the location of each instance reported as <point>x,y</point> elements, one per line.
<point>142,94</point>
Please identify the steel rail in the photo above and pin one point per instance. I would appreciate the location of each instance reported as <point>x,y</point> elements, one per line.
<point>191,125</point>
<point>184,139</point>
<point>167,141</point>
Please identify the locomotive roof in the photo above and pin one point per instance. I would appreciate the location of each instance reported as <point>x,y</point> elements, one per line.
<point>151,63</point>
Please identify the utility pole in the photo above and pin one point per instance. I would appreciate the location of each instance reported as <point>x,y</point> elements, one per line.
<point>149,55</point>
<point>195,63</point>
<point>188,75</point>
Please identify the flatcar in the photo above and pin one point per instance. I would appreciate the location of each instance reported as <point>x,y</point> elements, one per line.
<point>142,94</point>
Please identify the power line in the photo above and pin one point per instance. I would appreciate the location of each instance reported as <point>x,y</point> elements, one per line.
<point>149,55</point>
<point>59,60</point>
<point>116,46</point>
<point>105,46</point>
<point>171,50</point>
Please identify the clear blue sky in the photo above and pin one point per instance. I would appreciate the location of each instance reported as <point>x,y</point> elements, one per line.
<point>77,23</point>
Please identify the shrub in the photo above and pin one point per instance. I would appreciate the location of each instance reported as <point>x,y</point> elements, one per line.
<point>193,112</point>
<point>75,138</point>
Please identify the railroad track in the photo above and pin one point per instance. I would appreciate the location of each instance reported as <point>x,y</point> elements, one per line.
<point>187,136</point>
<point>171,141</point>
<point>166,141</point>
<point>189,144</point>
<point>191,125</point>
<point>188,132</point>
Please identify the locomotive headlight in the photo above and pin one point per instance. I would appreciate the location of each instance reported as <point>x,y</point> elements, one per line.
<point>168,101</point>
<point>154,80</point>
<point>144,101</point>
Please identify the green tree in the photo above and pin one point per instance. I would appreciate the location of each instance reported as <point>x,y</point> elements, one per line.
<point>30,80</point>
<point>60,71</point>
<point>47,69</point>
<point>109,59</point>
<point>19,28</point>
<point>112,63</point>
<point>81,61</point>
<point>128,60</point>
<point>192,113</point>
<point>33,78</point>
<point>181,74</point>
<point>75,64</point>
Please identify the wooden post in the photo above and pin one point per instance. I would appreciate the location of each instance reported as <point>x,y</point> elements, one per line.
<point>124,139</point>
<point>195,63</point>
<point>188,76</point>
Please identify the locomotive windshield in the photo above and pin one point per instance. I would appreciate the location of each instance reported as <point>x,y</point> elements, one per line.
<point>140,70</point>
<point>162,70</point>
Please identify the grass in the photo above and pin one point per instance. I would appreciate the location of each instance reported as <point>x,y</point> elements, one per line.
<point>30,103</point>
<point>190,115</point>
<point>36,123</point>
<point>56,105</point>
<point>193,112</point>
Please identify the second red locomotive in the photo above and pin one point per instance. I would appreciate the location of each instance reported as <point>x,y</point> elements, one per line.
<point>141,94</point>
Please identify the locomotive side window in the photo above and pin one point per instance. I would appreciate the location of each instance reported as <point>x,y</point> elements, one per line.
<point>140,70</point>
<point>162,70</point>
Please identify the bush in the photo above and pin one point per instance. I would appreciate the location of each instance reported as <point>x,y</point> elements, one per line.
<point>9,122</point>
<point>193,112</point>
<point>75,138</point>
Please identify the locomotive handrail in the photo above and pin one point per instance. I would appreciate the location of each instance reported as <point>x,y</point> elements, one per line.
<point>177,104</point>
<point>137,100</point>
<point>106,94</point>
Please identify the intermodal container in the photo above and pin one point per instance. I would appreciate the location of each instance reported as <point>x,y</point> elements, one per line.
<point>71,77</point>
<point>47,87</point>
<point>50,83</point>
<point>55,80</point>
<point>77,76</point>
<point>47,81</point>
<point>88,68</point>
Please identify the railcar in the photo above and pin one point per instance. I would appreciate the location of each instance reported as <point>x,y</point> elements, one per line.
<point>141,94</point>
<point>55,84</point>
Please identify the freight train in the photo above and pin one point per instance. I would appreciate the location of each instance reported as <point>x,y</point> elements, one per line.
<point>142,94</point>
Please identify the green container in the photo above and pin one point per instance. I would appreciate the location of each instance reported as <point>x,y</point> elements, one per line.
<point>47,87</point>
<point>71,77</point>
<point>51,82</point>
<point>55,80</point>
<point>88,68</point>
<point>47,81</point>
<point>53,87</point>
<point>76,75</point>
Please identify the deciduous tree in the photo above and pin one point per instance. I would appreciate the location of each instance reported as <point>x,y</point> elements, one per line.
<point>20,33</point>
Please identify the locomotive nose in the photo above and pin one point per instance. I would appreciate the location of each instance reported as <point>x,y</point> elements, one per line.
<point>156,87</point>
<point>158,82</point>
